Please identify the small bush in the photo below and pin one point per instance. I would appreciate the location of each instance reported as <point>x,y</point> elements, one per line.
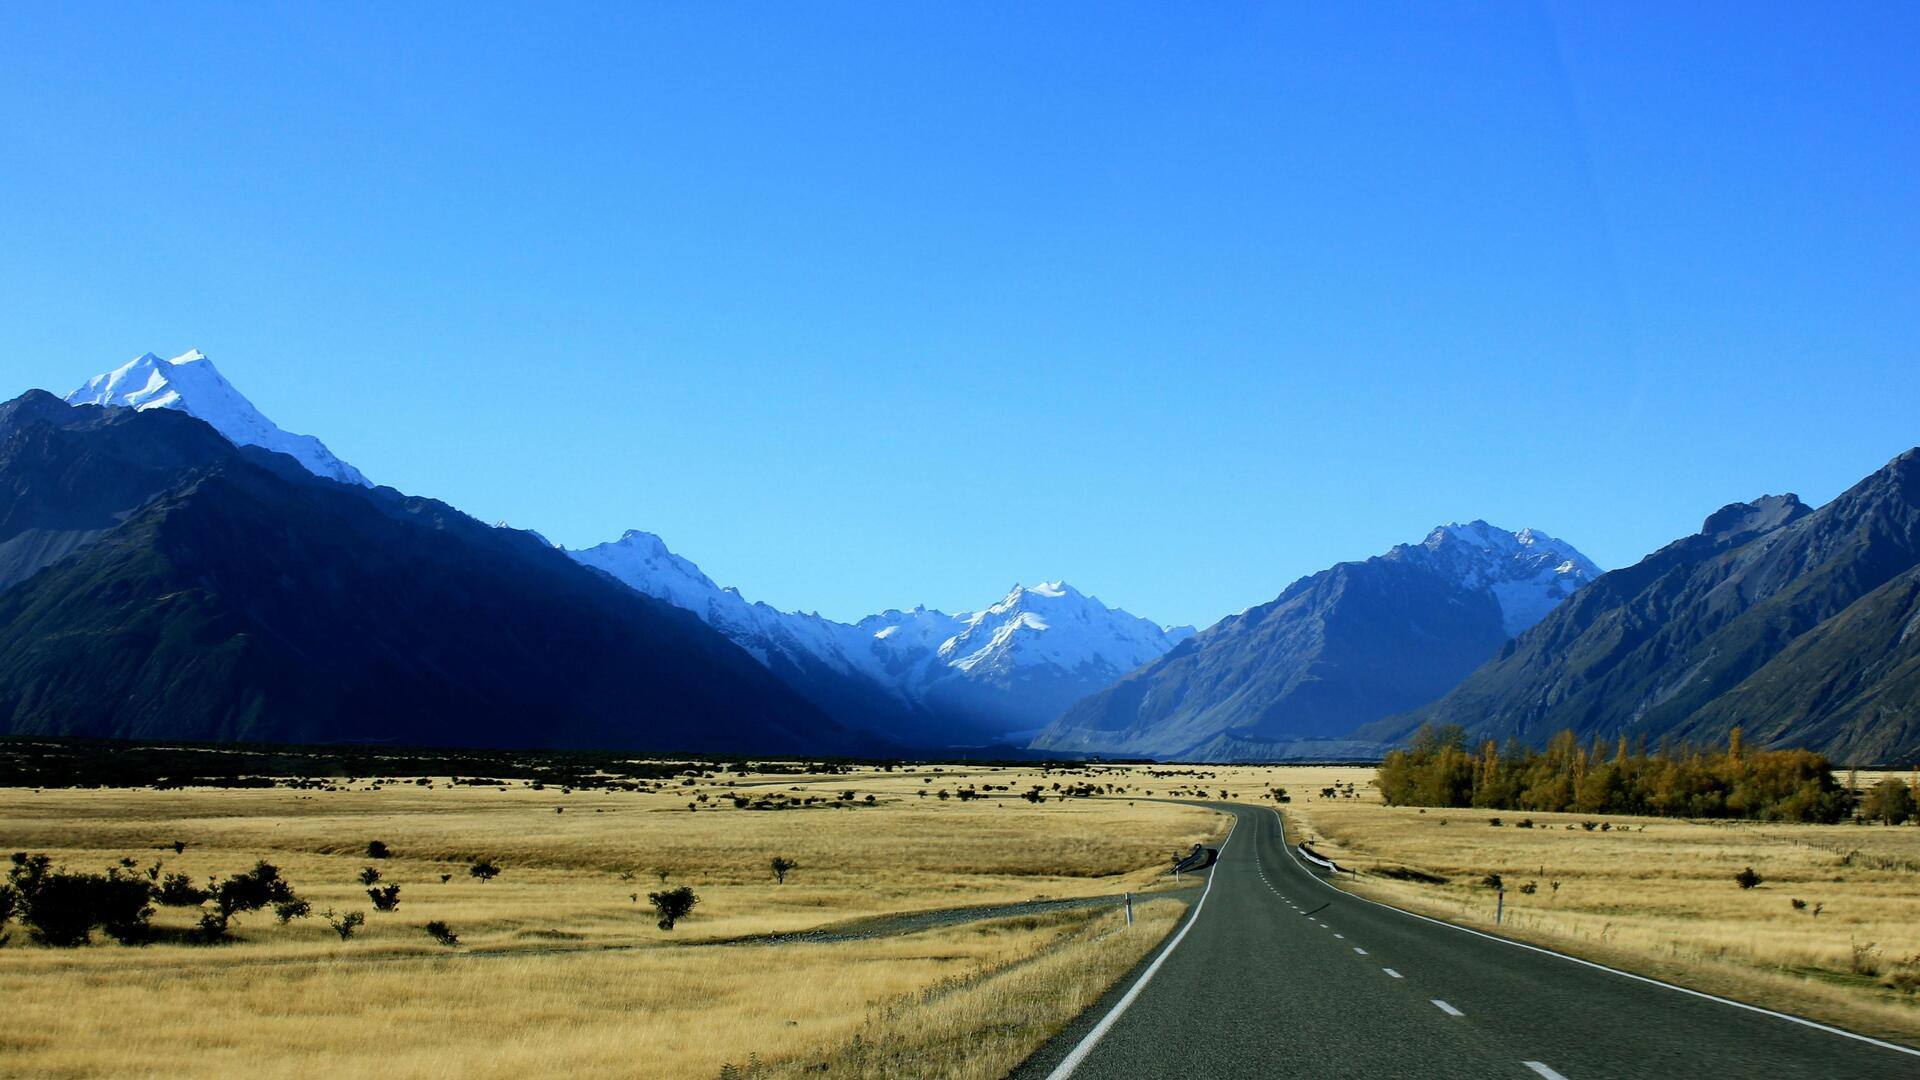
<point>377,849</point>
<point>1747,879</point>
<point>1798,904</point>
<point>384,897</point>
<point>672,905</point>
<point>1494,821</point>
<point>369,876</point>
<point>442,933</point>
<point>1864,961</point>
<point>484,870</point>
<point>782,866</point>
<point>346,924</point>
<point>211,929</point>
<point>178,890</point>
<point>288,910</point>
<point>1491,881</point>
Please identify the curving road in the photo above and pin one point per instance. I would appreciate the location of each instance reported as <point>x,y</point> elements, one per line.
<point>1276,973</point>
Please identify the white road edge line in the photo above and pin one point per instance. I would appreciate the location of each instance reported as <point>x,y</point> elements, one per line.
<point>1446,1008</point>
<point>1080,1051</point>
<point>1789,1017</point>
<point>1541,1068</point>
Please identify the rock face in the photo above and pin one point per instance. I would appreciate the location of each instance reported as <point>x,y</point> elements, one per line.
<point>158,582</point>
<point>1796,625</point>
<point>1339,649</point>
<point>925,677</point>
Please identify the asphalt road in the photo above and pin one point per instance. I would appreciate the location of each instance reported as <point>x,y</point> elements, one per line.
<point>1278,974</point>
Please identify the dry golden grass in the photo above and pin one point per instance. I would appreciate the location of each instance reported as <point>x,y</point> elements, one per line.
<point>1655,895</point>
<point>561,969</point>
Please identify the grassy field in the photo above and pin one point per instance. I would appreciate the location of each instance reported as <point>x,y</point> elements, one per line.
<point>1655,895</point>
<point>560,965</point>
<point>561,968</point>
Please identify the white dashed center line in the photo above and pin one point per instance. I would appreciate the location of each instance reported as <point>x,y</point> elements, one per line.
<point>1446,1008</point>
<point>1360,950</point>
<point>1541,1068</point>
<point>1391,972</point>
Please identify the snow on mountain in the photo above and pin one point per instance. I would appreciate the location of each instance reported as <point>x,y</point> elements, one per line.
<point>1527,572</point>
<point>1053,623</point>
<point>190,383</point>
<point>995,673</point>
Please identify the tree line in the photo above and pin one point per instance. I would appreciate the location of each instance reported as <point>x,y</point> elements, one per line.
<point>1439,769</point>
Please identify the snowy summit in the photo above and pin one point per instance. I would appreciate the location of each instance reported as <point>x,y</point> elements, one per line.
<point>190,383</point>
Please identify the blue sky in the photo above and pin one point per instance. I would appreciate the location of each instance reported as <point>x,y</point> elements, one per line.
<point>864,306</point>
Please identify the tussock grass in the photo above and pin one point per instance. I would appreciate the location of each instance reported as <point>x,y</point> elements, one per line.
<point>560,970</point>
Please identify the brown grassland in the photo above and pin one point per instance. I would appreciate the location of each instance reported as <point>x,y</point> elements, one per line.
<point>560,968</point>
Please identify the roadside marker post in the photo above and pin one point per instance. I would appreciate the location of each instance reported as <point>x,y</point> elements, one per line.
<point>1499,904</point>
<point>1129,909</point>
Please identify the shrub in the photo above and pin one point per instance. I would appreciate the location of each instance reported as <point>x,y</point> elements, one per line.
<point>344,925</point>
<point>1889,802</point>
<point>1863,960</point>
<point>484,870</point>
<point>369,876</point>
<point>782,866</point>
<point>1798,904</point>
<point>211,929</point>
<point>178,890</point>
<point>377,849</point>
<point>62,909</point>
<point>442,933</point>
<point>672,905</point>
<point>288,910</point>
<point>1492,881</point>
<point>252,890</point>
<point>384,897</point>
<point>1747,879</point>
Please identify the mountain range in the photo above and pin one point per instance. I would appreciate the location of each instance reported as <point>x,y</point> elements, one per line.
<point>987,677</point>
<point>1799,626</point>
<point>920,677</point>
<point>174,565</point>
<point>162,582</point>
<point>1294,677</point>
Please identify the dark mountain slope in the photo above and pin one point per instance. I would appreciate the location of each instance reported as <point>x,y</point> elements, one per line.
<point>260,603</point>
<point>1850,686</point>
<point>1335,650</point>
<point>1649,650</point>
<point>67,478</point>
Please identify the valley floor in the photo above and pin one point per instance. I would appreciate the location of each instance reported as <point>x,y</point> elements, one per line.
<point>560,968</point>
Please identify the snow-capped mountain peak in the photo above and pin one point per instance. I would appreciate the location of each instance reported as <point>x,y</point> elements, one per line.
<point>1528,572</point>
<point>190,383</point>
<point>1003,669</point>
